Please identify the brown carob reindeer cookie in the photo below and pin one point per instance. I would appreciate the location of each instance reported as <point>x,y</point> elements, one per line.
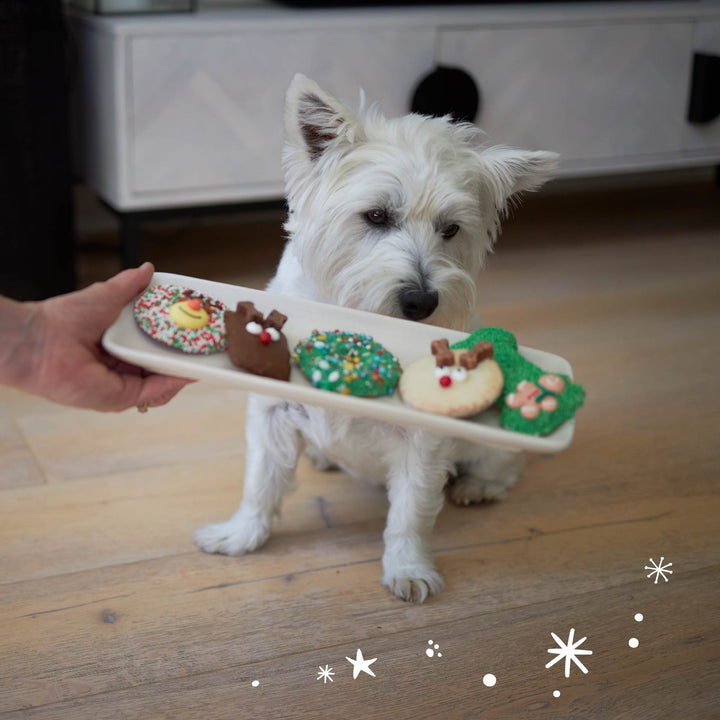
<point>256,343</point>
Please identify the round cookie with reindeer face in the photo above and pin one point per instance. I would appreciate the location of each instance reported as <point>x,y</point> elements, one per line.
<point>182,318</point>
<point>456,383</point>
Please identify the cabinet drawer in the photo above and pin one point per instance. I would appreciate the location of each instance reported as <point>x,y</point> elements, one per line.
<point>589,92</point>
<point>206,111</point>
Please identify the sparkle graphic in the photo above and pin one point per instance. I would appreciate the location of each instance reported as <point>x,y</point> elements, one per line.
<point>659,570</point>
<point>360,664</point>
<point>325,673</point>
<point>568,651</point>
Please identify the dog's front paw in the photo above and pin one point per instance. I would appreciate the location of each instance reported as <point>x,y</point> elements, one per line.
<point>414,586</point>
<point>234,537</point>
<point>467,490</point>
<point>489,478</point>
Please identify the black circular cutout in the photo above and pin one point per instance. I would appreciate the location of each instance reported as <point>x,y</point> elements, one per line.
<point>447,91</point>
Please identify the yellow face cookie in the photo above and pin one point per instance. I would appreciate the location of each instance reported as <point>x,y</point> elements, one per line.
<point>189,314</point>
<point>451,390</point>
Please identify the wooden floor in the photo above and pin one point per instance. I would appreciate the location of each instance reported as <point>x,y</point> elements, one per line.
<point>108,611</point>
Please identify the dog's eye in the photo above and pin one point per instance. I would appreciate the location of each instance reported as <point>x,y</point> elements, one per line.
<point>377,216</point>
<point>450,231</point>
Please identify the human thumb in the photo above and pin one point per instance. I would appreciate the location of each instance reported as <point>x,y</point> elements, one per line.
<point>123,287</point>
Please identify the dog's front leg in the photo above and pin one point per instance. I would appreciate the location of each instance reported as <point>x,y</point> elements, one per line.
<point>418,473</point>
<point>274,444</point>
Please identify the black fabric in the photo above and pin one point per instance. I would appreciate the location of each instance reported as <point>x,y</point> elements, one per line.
<point>36,218</point>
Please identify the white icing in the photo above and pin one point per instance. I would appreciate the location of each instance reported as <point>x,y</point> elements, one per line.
<point>456,372</point>
<point>273,333</point>
<point>459,374</point>
<point>254,328</point>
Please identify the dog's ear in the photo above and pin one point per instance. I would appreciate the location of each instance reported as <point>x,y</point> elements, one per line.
<point>508,171</point>
<point>315,120</point>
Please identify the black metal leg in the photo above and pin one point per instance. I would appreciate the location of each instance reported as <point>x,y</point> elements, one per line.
<point>129,239</point>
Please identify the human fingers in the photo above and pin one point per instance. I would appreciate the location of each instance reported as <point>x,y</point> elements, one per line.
<point>159,390</point>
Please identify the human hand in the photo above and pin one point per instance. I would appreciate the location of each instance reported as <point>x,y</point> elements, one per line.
<point>60,355</point>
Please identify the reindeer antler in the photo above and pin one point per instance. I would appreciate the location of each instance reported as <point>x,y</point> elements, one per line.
<point>275,319</point>
<point>248,312</point>
<point>444,356</point>
<point>482,351</point>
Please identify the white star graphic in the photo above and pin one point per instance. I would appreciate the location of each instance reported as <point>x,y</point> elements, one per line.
<point>568,651</point>
<point>659,570</point>
<point>360,664</point>
<point>325,673</point>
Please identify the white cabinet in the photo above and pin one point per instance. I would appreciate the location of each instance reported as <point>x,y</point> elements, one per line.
<point>188,109</point>
<point>206,111</point>
<point>594,93</point>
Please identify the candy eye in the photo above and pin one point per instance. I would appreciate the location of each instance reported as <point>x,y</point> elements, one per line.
<point>254,328</point>
<point>458,374</point>
<point>273,333</point>
<point>442,371</point>
<point>450,231</point>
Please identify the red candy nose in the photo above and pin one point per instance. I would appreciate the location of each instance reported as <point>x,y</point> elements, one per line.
<point>445,381</point>
<point>265,338</point>
<point>194,304</point>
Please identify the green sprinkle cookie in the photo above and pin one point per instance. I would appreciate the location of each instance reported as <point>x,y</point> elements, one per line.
<point>347,363</point>
<point>533,401</point>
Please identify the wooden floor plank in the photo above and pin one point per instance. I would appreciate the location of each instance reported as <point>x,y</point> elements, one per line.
<point>679,669</point>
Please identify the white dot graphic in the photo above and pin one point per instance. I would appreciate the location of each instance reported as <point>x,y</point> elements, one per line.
<point>255,683</point>
<point>430,652</point>
<point>633,642</point>
<point>639,617</point>
<point>556,693</point>
<point>489,680</point>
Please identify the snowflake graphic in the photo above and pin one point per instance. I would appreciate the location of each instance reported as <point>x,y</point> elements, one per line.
<point>568,651</point>
<point>325,673</point>
<point>659,570</point>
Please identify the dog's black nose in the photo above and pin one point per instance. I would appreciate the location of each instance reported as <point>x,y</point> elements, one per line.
<point>418,304</point>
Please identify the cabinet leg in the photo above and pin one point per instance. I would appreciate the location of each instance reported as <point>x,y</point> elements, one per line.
<point>129,240</point>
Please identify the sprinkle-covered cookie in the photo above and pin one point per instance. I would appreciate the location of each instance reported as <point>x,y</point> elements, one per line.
<point>182,318</point>
<point>348,363</point>
<point>533,401</point>
<point>456,383</point>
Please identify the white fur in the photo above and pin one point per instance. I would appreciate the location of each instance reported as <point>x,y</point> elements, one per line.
<point>428,174</point>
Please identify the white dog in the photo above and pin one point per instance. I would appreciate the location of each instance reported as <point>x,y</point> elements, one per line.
<point>394,217</point>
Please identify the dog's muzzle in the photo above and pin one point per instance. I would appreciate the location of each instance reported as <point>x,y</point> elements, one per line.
<point>417,304</point>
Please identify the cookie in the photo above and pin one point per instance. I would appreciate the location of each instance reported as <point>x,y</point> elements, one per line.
<point>533,401</point>
<point>181,318</point>
<point>348,363</point>
<point>456,383</point>
<point>257,344</point>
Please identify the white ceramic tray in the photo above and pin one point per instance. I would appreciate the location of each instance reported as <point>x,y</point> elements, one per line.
<point>407,340</point>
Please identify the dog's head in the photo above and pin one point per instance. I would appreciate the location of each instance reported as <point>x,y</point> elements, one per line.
<point>396,216</point>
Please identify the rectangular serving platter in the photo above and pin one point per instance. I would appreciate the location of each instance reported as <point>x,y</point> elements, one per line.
<point>405,339</point>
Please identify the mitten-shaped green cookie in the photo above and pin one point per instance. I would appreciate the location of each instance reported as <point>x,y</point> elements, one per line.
<point>533,401</point>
